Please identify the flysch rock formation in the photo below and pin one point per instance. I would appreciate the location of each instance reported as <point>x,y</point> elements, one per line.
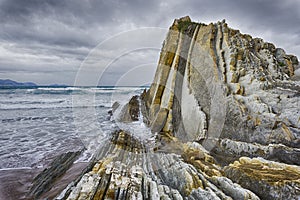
<point>223,110</point>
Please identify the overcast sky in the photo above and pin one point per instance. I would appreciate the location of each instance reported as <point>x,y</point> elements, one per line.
<point>46,41</point>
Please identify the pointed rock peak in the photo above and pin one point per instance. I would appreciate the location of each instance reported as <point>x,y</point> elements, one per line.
<point>176,22</point>
<point>223,22</point>
<point>184,19</point>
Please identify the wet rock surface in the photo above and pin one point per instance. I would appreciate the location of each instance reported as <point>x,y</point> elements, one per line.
<point>43,182</point>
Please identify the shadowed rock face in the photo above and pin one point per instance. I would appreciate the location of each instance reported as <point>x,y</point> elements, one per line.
<point>217,95</point>
<point>130,112</point>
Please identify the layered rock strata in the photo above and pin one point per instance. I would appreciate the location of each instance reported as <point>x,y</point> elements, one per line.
<point>223,110</point>
<point>269,179</point>
<point>227,90</point>
<point>49,176</point>
<point>130,169</point>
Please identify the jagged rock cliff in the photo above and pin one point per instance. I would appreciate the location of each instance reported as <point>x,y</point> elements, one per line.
<point>218,97</point>
<point>229,91</point>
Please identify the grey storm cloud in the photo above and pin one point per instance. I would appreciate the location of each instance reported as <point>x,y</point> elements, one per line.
<point>47,41</point>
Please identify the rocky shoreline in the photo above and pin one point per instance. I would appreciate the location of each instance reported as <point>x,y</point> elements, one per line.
<point>223,110</point>
<point>16,183</point>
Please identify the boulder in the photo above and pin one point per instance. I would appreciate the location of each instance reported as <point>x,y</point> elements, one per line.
<point>131,111</point>
<point>267,179</point>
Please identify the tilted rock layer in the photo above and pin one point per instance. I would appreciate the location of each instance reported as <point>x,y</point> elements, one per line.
<point>218,97</point>
<point>226,90</point>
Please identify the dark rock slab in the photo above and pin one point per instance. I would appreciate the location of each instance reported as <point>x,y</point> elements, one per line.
<point>45,180</point>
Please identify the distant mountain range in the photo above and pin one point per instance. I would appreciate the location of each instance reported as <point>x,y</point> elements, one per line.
<point>8,82</point>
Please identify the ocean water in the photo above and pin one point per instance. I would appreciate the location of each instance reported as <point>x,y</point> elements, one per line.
<point>37,124</point>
